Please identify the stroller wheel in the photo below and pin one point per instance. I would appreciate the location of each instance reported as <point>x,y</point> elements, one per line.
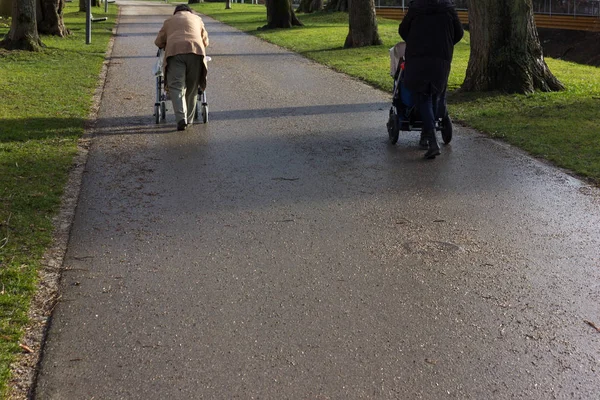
<point>157,113</point>
<point>163,110</point>
<point>393,127</point>
<point>205,113</point>
<point>447,129</point>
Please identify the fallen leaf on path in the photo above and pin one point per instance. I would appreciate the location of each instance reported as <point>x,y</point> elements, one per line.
<point>26,348</point>
<point>590,323</point>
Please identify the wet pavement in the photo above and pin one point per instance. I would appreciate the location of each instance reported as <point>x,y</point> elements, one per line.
<point>285,250</point>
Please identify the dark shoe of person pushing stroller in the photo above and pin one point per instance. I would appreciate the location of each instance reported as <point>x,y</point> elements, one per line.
<point>181,125</point>
<point>423,141</point>
<point>433,149</point>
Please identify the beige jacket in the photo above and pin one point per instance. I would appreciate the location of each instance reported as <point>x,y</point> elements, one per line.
<point>184,33</point>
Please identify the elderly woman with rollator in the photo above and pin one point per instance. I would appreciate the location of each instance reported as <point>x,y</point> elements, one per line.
<point>184,38</point>
<point>430,29</point>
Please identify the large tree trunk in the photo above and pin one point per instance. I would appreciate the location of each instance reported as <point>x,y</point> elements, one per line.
<point>23,33</point>
<point>337,5</point>
<point>51,22</point>
<point>363,24</point>
<point>308,6</point>
<point>506,54</point>
<point>280,14</point>
<point>228,4</point>
<point>195,1</point>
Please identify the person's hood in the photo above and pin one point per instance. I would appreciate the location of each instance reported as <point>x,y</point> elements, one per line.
<point>431,6</point>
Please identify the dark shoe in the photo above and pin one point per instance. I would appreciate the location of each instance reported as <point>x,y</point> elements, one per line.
<point>433,146</point>
<point>181,125</point>
<point>423,141</point>
<point>432,153</point>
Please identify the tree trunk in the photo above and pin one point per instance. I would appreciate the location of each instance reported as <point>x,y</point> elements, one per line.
<point>5,8</point>
<point>280,14</point>
<point>363,24</point>
<point>23,33</point>
<point>337,5</point>
<point>195,1</point>
<point>51,22</point>
<point>309,6</point>
<point>228,4</point>
<point>83,4</point>
<point>506,54</point>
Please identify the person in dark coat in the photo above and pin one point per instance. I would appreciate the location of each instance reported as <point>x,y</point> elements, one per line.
<point>430,29</point>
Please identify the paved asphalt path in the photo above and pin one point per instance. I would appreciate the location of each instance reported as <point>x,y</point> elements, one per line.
<point>286,251</point>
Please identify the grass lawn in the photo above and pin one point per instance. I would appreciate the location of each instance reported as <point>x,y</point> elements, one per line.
<point>563,127</point>
<point>46,98</point>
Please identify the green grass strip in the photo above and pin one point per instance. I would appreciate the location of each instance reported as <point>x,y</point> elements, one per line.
<point>46,100</point>
<point>562,127</point>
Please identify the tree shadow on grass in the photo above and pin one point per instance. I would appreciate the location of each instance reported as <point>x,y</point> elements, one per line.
<point>458,96</point>
<point>24,129</point>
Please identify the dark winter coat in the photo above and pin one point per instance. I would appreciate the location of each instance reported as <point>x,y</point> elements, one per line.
<point>430,29</point>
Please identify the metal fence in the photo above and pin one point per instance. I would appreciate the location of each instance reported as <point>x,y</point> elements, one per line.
<point>460,4</point>
<point>567,7</point>
<point>551,7</point>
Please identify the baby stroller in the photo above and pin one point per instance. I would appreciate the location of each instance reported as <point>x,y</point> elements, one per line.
<point>160,106</point>
<point>404,115</point>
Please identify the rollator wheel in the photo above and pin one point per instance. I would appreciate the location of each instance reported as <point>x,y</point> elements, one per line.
<point>157,113</point>
<point>205,113</point>
<point>393,127</point>
<point>447,129</point>
<point>197,113</point>
<point>163,110</point>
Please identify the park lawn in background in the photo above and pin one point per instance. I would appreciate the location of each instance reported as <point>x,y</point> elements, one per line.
<point>561,127</point>
<point>46,101</point>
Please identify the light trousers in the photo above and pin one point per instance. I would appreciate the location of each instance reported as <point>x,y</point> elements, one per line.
<point>183,77</point>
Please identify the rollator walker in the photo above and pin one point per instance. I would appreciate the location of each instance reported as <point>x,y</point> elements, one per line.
<point>160,105</point>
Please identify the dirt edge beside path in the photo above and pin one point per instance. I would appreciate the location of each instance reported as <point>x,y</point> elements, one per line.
<point>24,368</point>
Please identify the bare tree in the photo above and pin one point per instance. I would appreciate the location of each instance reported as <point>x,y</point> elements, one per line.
<point>506,54</point>
<point>280,14</point>
<point>23,33</point>
<point>309,6</point>
<point>51,21</point>
<point>363,24</point>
